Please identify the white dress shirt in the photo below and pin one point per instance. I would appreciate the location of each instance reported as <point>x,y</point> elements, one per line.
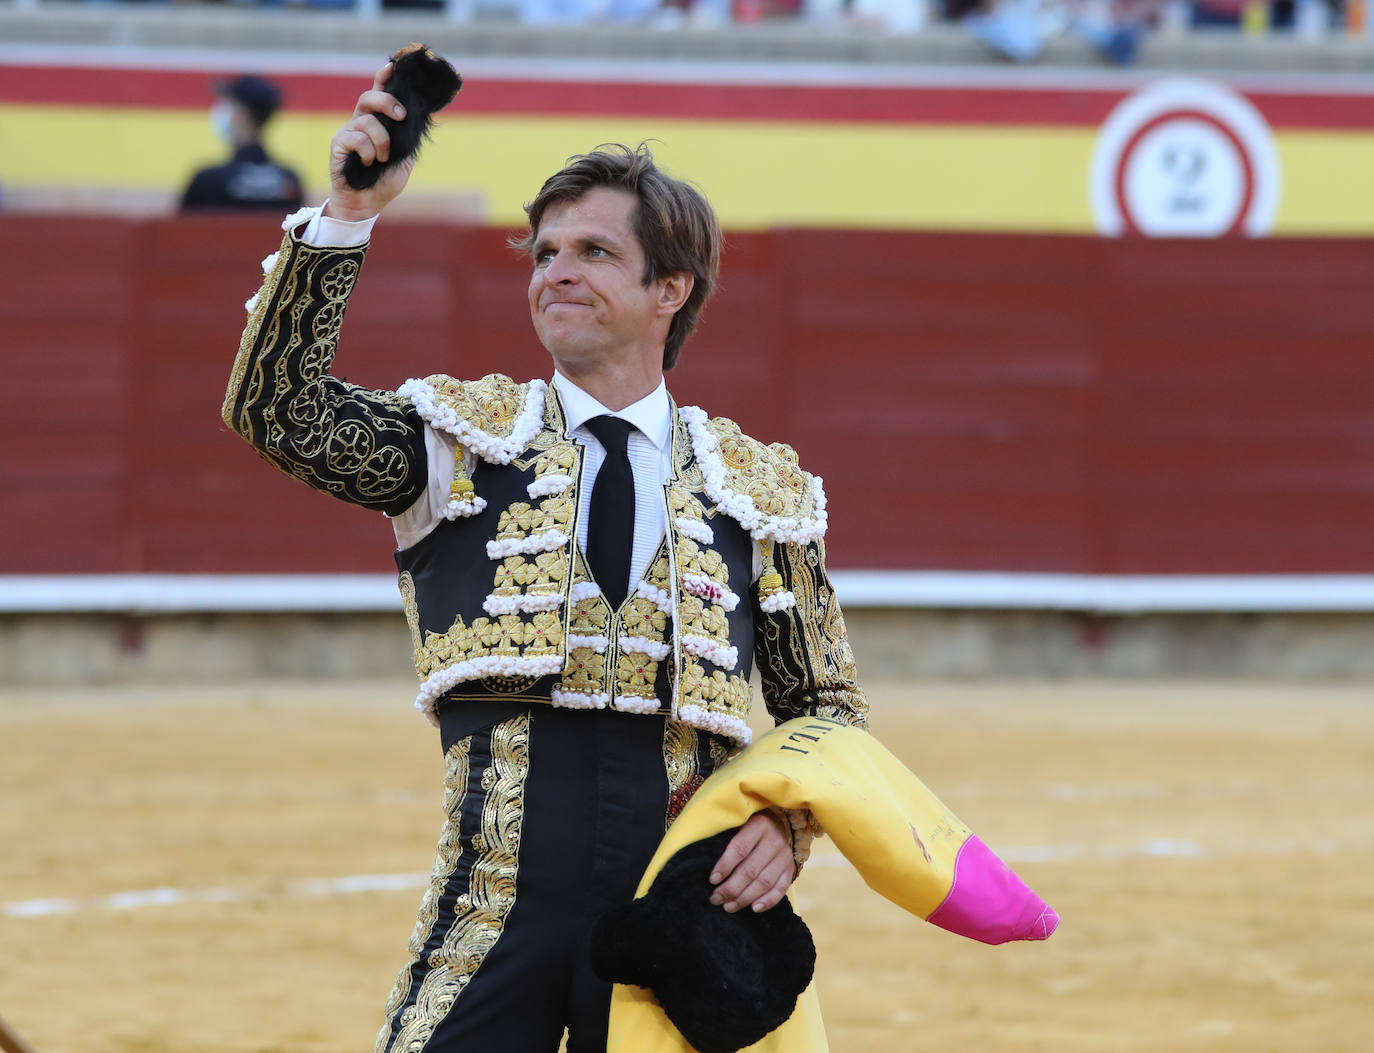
<point>649,447</point>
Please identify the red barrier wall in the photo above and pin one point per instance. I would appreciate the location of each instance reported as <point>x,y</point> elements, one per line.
<point>973,401</point>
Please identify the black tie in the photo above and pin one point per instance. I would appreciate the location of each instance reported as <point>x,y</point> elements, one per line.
<point>611,523</point>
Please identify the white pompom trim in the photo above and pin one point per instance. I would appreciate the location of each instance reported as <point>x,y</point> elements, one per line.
<point>477,669</point>
<point>526,546</point>
<point>487,446</point>
<point>658,597</point>
<point>548,484</point>
<point>741,507</point>
<point>522,602</point>
<point>731,727</point>
<point>251,304</point>
<point>710,589</point>
<point>468,506</point>
<point>301,215</point>
<point>270,261</point>
<point>779,601</point>
<point>636,704</point>
<point>596,643</point>
<point>655,649</point>
<point>578,700</point>
<point>584,590</point>
<point>712,651</point>
<point>695,529</point>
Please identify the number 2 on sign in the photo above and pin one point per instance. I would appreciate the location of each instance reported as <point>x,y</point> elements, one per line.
<point>1184,168</point>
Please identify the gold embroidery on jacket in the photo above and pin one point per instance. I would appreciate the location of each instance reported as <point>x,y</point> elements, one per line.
<point>483,909</point>
<point>685,466</point>
<point>636,671</point>
<point>558,458</point>
<point>505,636</point>
<point>717,691</point>
<point>407,587</point>
<point>770,474</point>
<point>806,665</point>
<point>491,403</point>
<point>690,756</point>
<point>680,764</point>
<point>250,333</point>
<point>450,848</point>
<point>585,669</point>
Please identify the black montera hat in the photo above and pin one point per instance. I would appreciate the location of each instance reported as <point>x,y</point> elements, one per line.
<point>724,980</point>
<point>259,96</point>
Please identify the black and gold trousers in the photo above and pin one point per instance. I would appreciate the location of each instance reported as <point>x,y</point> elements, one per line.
<point>551,816</point>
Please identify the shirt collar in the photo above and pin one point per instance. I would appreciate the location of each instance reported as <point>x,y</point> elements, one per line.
<point>652,415</point>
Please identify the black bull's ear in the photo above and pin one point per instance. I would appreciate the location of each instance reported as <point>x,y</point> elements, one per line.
<point>423,83</point>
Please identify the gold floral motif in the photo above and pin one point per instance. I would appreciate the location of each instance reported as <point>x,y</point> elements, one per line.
<point>715,622</point>
<point>584,671</point>
<point>712,564</point>
<point>491,892</point>
<point>715,692</point>
<point>539,575</point>
<point>554,513</point>
<point>690,609</point>
<point>635,675</point>
<point>560,459</point>
<point>700,618</point>
<point>509,575</point>
<point>515,521</point>
<point>505,636</point>
<point>522,519</point>
<point>658,571</point>
<point>543,634</point>
<point>688,551</point>
<point>642,617</point>
<point>683,502</point>
<point>588,616</point>
<point>456,767</point>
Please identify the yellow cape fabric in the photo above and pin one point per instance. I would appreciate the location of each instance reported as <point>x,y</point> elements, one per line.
<point>900,837</point>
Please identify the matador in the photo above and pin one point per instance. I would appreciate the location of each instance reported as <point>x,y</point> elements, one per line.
<point>590,573</point>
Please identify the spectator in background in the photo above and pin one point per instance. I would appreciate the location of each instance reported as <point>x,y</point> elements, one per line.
<point>250,179</point>
<point>1018,29</point>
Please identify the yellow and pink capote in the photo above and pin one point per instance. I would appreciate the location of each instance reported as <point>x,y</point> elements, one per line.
<point>907,845</point>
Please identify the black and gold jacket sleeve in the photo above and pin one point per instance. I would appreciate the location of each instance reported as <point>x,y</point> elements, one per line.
<point>805,663</point>
<point>362,446</point>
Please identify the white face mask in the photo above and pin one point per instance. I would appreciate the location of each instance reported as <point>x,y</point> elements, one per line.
<point>222,120</point>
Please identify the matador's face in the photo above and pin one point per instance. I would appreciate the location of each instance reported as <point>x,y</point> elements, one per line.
<point>587,295</point>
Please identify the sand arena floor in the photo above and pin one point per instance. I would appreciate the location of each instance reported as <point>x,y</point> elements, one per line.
<point>236,869</point>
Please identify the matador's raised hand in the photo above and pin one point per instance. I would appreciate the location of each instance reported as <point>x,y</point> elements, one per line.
<point>365,135</point>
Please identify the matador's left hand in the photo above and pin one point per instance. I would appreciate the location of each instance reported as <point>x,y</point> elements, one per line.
<point>756,868</point>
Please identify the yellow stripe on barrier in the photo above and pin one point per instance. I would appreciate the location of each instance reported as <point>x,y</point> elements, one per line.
<point>758,174</point>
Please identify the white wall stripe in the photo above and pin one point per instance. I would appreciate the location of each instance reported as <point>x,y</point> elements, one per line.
<point>827,858</point>
<point>312,888</point>
<point>986,590</point>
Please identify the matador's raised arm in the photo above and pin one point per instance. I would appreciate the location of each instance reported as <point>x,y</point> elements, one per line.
<point>362,446</point>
